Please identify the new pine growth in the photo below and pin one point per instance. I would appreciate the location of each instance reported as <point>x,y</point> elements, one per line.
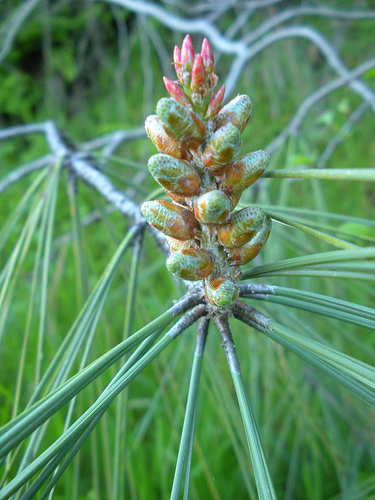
<point>199,167</point>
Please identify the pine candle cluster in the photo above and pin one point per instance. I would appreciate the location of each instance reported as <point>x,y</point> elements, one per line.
<point>198,166</point>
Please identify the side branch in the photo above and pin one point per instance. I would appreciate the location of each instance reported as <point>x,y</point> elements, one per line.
<point>227,343</point>
<point>262,476</point>
<point>251,316</point>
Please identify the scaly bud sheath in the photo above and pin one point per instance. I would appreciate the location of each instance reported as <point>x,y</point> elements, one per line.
<point>174,90</point>
<point>177,198</point>
<point>244,172</point>
<point>190,264</point>
<point>207,56</point>
<point>241,227</point>
<point>212,207</point>
<point>162,140</point>
<point>221,291</point>
<point>171,219</point>
<point>198,74</point>
<point>246,253</point>
<point>237,112</point>
<point>215,104</point>
<point>234,199</point>
<point>176,176</point>
<point>222,147</point>
<point>181,124</point>
<point>175,245</point>
<point>187,53</point>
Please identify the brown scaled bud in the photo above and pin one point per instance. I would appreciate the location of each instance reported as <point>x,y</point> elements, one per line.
<point>212,207</point>
<point>221,291</point>
<point>237,112</point>
<point>244,172</point>
<point>171,219</point>
<point>156,132</point>
<point>234,199</point>
<point>241,227</point>
<point>176,176</point>
<point>246,253</point>
<point>181,200</point>
<point>222,148</point>
<point>180,123</point>
<point>190,264</point>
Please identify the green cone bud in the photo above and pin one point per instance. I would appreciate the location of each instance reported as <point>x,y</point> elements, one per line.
<point>162,140</point>
<point>221,291</point>
<point>212,207</point>
<point>246,253</point>
<point>244,172</point>
<point>171,219</point>
<point>223,146</point>
<point>237,112</point>
<point>174,175</point>
<point>180,123</point>
<point>241,227</point>
<point>190,264</point>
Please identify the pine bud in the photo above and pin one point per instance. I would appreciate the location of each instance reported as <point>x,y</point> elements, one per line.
<point>174,175</point>
<point>222,147</point>
<point>246,253</point>
<point>187,52</point>
<point>180,123</point>
<point>221,291</point>
<point>237,112</point>
<point>190,264</point>
<point>198,73</point>
<point>244,172</point>
<point>171,219</point>
<point>241,227</point>
<point>179,68</point>
<point>162,140</point>
<point>174,90</point>
<point>215,104</point>
<point>212,207</point>
<point>207,56</point>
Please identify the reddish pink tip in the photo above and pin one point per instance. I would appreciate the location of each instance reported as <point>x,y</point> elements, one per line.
<point>175,91</point>
<point>198,73</point>
<point>177,62</point>
<point>176,54</point>
<point>208,58</point>
<point>187,52</point>
<point>216,103</point>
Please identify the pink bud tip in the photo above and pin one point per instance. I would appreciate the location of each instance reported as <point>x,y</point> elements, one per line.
<point>174,90</point>
<point>207,56</point>
<point>187,51</point>
<point>198,74</point>
<point>216,103</point>
<point>176,54</point>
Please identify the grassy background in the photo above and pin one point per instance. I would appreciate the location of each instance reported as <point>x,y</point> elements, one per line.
<point>94,68</point>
